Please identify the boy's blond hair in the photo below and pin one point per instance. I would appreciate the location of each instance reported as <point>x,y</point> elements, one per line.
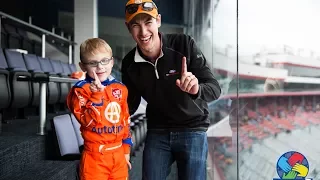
<point>93,46</point>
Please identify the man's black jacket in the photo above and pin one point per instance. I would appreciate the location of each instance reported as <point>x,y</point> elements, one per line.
<point>169,107</point>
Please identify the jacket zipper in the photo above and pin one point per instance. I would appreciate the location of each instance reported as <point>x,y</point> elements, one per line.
<point>155,68</point>
<point>197,106</point>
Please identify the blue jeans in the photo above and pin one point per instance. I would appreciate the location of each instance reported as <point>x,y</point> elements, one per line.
<point>188,149</point>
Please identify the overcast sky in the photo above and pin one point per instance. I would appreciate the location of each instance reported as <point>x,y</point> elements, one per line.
<point>268,22</point>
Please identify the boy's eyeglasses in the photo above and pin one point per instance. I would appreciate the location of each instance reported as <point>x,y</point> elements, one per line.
<point>104,61</point>
<point>146,6</point>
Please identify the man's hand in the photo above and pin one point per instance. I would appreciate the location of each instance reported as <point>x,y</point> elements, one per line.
<point>96,85</point>
<point>188,82</point>
<point>127,156</point>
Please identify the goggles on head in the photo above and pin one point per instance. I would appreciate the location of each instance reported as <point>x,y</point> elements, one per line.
<point>146,6</point>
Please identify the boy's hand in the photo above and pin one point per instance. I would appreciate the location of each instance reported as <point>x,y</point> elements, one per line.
<point>127,156</point>
<point>96,84</point>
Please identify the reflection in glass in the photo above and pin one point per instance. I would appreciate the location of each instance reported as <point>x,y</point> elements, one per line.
<point>270,103</point>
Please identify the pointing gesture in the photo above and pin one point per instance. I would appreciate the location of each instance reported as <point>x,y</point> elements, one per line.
<point>188,82</point>
<point>96,84</point>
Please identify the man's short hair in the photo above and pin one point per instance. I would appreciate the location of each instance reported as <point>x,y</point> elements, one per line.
<point>93,46</point>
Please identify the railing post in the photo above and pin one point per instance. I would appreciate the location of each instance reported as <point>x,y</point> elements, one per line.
<point>43,42</point>
<point>43,95</point>
<point>70,50</point>
<point>30,19</point>
<point>42,108</point>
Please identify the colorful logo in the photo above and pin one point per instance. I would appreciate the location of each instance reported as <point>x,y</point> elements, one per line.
<point>292,165</point>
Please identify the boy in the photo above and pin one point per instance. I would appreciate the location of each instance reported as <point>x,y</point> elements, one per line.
<point>99,102</point>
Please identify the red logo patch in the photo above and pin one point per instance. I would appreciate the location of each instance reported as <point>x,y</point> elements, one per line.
<point>117,93</point>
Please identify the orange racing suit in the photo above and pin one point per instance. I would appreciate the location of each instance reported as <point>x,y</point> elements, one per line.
<point>105,128</point>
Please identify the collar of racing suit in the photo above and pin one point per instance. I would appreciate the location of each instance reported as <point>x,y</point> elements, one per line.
<point>106,82</point>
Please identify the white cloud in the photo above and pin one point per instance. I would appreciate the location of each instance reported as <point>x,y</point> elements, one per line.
<point>269,23</point>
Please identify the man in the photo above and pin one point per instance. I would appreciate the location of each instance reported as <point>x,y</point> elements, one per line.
<point>171,74</point>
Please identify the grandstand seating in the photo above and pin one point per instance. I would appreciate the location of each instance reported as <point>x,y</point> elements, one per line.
<point>264,136</point>
<point>64,87</point>
<point>4,79</point>
<point>24,93</point>
<point>53,90</point>
<point>34,68</point>
<point>20,90</point>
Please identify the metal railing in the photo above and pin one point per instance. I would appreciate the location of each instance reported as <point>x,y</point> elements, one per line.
<point>44,33</point>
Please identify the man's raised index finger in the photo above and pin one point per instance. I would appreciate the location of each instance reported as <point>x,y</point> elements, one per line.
<point>184,65</point>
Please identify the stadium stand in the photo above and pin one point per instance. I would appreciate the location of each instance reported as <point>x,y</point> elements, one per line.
<point>269,125</point>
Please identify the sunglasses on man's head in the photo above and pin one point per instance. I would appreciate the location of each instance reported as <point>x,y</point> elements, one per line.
<point>146,6</point>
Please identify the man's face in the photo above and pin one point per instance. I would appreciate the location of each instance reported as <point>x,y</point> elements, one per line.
<point>102,69</point>
<point>144,30</point>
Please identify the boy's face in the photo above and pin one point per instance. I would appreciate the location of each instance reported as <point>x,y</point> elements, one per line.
<point>100,63</point>
<point>144,30</point>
